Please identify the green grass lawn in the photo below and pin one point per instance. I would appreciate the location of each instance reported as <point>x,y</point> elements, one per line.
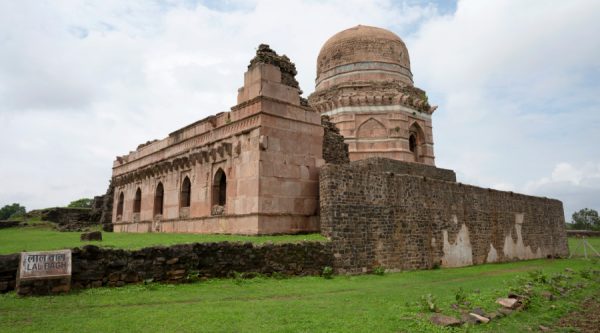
<point>576,246</point>
<point>42,237</point>
<point>366,303</point>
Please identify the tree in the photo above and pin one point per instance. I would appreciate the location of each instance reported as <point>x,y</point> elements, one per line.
<point>586,219</point>
<point>81,203</point>
<point>11,210</point>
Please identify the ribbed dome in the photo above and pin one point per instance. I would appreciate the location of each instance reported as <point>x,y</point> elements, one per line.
<point>363,53</point>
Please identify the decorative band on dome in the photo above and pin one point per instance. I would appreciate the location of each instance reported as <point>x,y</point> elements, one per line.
<point>359,68</point>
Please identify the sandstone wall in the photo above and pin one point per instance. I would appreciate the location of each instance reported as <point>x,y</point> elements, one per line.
<point>95,267</point>
<point>399,221</point>
<point>253,170</point>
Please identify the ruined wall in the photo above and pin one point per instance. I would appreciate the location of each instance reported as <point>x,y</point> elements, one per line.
<point>397,221</point>
<point>69,219</point>
<point>107,207</point>
<point>335,150</point>
<point>95,267</point>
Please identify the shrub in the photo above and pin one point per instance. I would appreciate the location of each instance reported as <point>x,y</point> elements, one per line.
<point>327,272</point>
<point>379,270</point>
<point>81,203</point>
<point>428,303</point>
<point>192,276</point>
<point>460,295</point>
<point>586,273</point>
<point>538,276</point>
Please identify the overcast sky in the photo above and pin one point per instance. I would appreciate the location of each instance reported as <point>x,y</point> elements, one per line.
<point>517,83</point>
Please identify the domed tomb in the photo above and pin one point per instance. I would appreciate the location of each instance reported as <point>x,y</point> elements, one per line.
<point>365,85</point>
<point>363,53</point>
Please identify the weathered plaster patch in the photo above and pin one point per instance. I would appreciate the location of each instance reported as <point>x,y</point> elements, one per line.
<point>454,219</point>
<point>519,218</point>
<point>461,252</point>
<point>492,254</point>
<point>518,249</point>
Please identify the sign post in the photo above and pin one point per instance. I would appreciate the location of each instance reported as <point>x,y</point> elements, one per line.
<point>44,273</point>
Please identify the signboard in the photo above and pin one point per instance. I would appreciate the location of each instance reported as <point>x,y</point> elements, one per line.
<point>45,265</point>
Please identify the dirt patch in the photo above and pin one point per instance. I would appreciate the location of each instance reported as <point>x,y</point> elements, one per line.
<point>587,319</point>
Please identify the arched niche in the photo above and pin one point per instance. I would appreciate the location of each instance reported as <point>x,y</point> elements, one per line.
<point>219,190</point>
<point>120,204</point>
<point>159,196</point>
<point>371,129</point>
<point>137,201</point>
<point>186,193</point>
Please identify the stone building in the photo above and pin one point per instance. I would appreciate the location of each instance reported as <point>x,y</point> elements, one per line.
<point>364,84</point>
<point>253,170</point>
<point>354,161</point>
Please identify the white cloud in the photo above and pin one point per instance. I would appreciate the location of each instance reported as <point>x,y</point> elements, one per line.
<point>82,82</point>
<point>577,185</point>
<point>518,84</point>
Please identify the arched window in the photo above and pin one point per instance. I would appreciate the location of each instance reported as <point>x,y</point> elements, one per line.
<point>412,143</point>
<point>158,199</point>
<point>186,191</point>
<point>219,196</point>
<point>415,141</point>
<point>120,205</point>
<point>137,202</point>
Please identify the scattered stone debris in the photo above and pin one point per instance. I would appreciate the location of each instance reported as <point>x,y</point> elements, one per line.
<point>479,319</point>
<point>509,303</point>
<point>586,319</point>
<point>505,311</point>
<point>91,236</point>
<point>443,320</point>
<point>548,295</point>
<point>479,311</point>
<point>465,318</point>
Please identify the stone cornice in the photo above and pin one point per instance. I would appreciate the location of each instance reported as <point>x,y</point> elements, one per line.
<point>206,154</point>
<point>370,94</point>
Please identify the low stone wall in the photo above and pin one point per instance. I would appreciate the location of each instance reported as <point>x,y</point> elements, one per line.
<point>95,267</point>
<point>381,164</point>
<point>9,264</point>
<point>9,224</point>
<point>583,233</point>
<point>397,221</point>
